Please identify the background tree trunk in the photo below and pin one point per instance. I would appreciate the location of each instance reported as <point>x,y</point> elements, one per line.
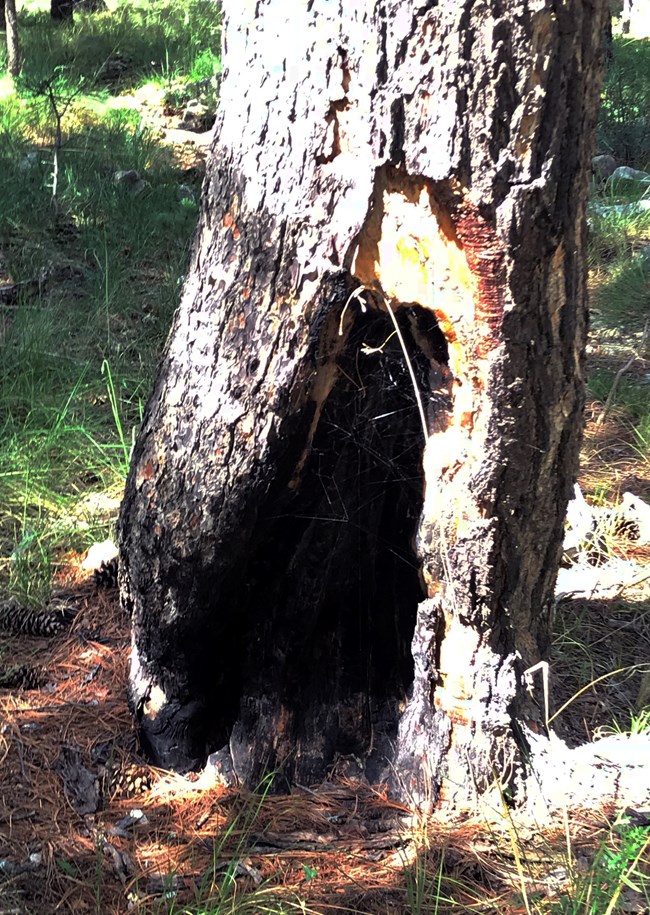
<point>13,43</point>
<point>3,21</point>
<point>62,10</point>
<point>391,237</point>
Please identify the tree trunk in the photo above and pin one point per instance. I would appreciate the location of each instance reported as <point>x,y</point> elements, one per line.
<point>62,10</point>
<point>3,19</point>
<point>344,515</point>
<point>13,44</point>
<point>608,37</point>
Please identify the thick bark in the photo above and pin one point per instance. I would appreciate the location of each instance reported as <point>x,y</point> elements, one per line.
<point>13,43</point>
<point>62,10</point>
<point>311,584</point>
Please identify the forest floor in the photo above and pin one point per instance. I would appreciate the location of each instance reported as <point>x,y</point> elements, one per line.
<point>90,273</point>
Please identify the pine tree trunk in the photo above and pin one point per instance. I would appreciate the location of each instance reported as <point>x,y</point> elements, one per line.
<point>13,44</point>
<point>343,520</point>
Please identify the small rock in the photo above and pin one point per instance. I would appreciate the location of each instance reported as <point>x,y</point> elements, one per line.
<point>139,187</point>
<point>603,166</point>
<point>625,173</point>
<point>114,67</point>
<point>194,110</point>
<point>130,180</point>
<point>126,178</point>
<point>134,817</point>
<point>28,161</point>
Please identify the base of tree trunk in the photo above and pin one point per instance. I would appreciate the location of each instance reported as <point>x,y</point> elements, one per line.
<point>610,774</point>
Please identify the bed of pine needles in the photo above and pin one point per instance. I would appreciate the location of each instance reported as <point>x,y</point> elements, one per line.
<point>188,845</point>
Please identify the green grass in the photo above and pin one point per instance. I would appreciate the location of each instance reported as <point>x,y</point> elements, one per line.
<point>163,39</point>
<point>624,129</point>
<point>613,872</point>
<point>619,248</point>
<point>77,358</point>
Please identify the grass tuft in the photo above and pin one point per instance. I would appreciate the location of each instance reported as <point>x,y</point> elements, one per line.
<point>98,269</point>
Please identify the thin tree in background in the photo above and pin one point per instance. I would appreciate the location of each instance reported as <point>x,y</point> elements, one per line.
<point>13,44</point>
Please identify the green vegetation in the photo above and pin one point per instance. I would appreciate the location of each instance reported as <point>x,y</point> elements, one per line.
<point>617,870</point>
<point>98,269</point>
<point>624,127</point>
<point>620,252</point>
<point>161,40</point>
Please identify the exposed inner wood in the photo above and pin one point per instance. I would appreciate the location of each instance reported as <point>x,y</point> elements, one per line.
<point>413,249</point>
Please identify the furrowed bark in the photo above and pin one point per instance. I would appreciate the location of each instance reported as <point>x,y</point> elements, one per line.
<point>315,583</point>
